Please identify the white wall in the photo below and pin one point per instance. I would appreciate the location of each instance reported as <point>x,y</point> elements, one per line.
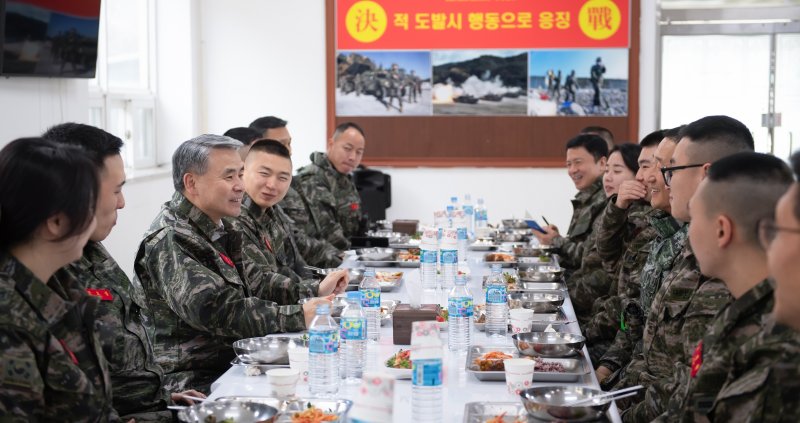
<point>28,106</point>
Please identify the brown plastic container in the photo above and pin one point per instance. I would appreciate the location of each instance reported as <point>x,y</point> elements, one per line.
<point>405,226</point>
<point>404,316</point>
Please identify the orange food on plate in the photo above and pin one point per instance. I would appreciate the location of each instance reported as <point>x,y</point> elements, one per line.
<point>492,361</point>
<point>500,257</point>
<point>313,415</point>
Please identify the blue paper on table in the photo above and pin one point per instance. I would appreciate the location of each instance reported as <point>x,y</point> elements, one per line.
<point>534,225</point>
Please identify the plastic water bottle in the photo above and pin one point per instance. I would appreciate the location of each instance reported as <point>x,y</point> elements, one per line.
<point>469,213</point>
<point>323,347</point>
<point>428,258</point>
<point>459,309</point>
<point>426,374</point>
<point>354,338</point>
<point>496,304</point>
<point>370,291</point>
<point>448,257</point>
<point>481,217</point>
<point>460,223</point>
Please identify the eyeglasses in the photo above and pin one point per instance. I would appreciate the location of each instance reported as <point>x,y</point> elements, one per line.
<point>668,171</point>
<point>767,231</point>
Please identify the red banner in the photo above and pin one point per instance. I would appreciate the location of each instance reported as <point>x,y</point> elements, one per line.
<point>488,24</point>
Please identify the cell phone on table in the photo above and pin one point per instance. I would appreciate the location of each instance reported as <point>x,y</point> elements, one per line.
<point>534,225</point>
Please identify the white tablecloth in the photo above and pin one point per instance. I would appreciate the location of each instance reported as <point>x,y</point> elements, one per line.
<point>459,387</point>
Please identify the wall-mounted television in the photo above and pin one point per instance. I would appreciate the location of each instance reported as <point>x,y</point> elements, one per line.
<point>56,38</point>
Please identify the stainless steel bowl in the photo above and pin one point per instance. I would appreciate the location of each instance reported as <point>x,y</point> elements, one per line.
<point>539,302</point>
<point>339,302</point>
<point>527,251</point>
<point>548,344</point>
<point>376,254</point>
<point>239,411</point>
<point>546,403</point>
<point>510,237</point>
<point>267,350</point>
<point>514,223</point>
<point>541,274</point>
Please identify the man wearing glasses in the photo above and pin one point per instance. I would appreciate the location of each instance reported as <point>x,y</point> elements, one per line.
<point>726,245</point>
<point>686,302</point>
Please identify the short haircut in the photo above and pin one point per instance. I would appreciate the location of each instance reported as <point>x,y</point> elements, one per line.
<point>652,139</point>
<point>97,143</point>
<point>714,137</point>
<point>674,134</point>
<point>245,135</point>
<point>796,168</point>
<point>345,126</point>
<point>594,144</point>
<point>267,122</point>
<point>271,147</point>
<point>192,156</point>
<point>630,155</point>
<point>605,133</point>
<point>39,179</point>
<point>746,186</point>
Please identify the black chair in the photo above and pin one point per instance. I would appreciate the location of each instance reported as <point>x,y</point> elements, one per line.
<point>375,189</point>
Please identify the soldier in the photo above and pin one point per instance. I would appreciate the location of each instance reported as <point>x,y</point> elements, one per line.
<point>586,162</point>
<point>592,280</point>
<point>604,133</point>
<point>596,77</point>
<point>657,255</point>
<point>191,267</point>
<point>622,239</point>
<point>317,246</point>
<point>327,182</point>
<point>135,376</point>
<point>569,86</point>
<point>727,247</point>
<point>52,362</point>
<point>782,241</point>
<point>268,241</point>
<point>246,135</point>
<point>686,303</point>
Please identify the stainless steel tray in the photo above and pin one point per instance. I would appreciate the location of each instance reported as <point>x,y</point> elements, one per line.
<point>407,264</point>
<point>556,319</point>
<point>286,408</point>
<point>574,368</point>
<point>390,285</point>
<point>542,286</point>
<point>501,263</point>
<point>480,412</point>
<point>256,366</point>
<point>375,263</point>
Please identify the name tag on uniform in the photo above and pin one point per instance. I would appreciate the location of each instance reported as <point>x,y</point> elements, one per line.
<point>103,294</point>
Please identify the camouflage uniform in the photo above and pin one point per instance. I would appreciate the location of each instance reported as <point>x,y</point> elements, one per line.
<point>710,367</point>
<point>670,237</point>
<point>682,310</point>
<point>267,246</point>
<point>306,219</point>
<point>590,281</point>
<point>587,206</point>
<point>316,252</point>
<point>135,376</point>
<point>333,193</point>
<point>627,232</point>
<point>191,270</point>
<point>52,366</point>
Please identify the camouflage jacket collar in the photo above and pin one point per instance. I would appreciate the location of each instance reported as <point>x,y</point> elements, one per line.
<point>755,295</point>
<point>250,207</point>
<point>591,194</point>
<point>50,305</point>
<point>93,253</point>
<point>664,224</point>
<point>320,160</point>
<point>185,209</point>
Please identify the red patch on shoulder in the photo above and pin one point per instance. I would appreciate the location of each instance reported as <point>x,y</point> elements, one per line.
<point>226,259</point>
<point>103,294</point>
<point>697,358</point>
<point>354,206</point>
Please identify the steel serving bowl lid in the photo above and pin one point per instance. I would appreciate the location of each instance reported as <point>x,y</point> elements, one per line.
<point>267,350</point>
<point>239,411</point>
<point>547,403</point>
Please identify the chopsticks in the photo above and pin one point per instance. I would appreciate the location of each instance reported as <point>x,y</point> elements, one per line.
<point>612,396</point>
<point>316,269</point>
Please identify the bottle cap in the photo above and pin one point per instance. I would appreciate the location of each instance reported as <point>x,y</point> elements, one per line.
<point>461,279</point>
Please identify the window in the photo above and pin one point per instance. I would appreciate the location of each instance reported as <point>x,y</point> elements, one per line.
<point>122,95</point>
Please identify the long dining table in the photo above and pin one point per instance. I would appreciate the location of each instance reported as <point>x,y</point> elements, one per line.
<point>459,387</point>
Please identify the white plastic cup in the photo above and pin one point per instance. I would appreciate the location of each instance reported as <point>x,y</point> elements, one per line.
<point>283,382</point>
<point>521,314</point>
<point>521,326</point>
<point>298,360</point>
<point>519,374</point>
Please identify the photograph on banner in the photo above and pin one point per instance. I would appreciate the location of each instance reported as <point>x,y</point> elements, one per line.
<point>583,82</point>
<point>383,83</point>
<point>480,82</point>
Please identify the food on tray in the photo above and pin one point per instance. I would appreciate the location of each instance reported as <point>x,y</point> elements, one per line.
<point>500,418</point>
<point>313,415</point>
<point>492,361</point>
<point>388,276</point>
<point>443,315</point>
<point>410,255</point>
<point>213,419</point>
<point>507,258</point>
<point>401,360</point>
<point>480,313</point>
<point>547,366</point>
<point>511,279</point>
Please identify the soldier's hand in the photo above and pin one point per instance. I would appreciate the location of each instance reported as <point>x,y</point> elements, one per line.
<point>551,232</point>
<point>334,283</point>
<point>602,372</point>
<point>630,191</point>
<point>310,307</point>
<point>182,397</point>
